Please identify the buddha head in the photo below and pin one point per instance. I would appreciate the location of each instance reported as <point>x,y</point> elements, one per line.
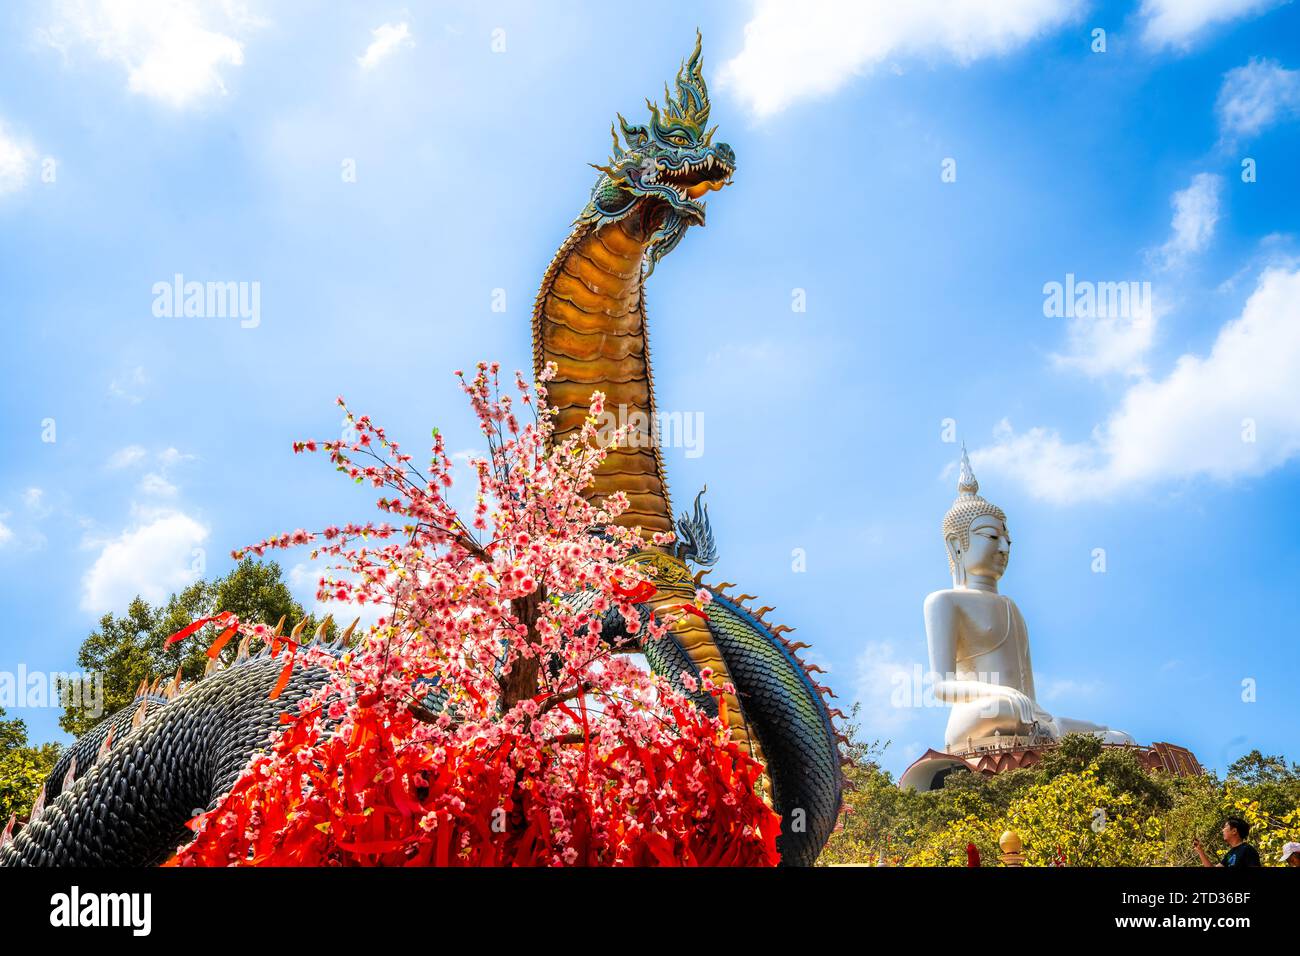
<point>975,532</point>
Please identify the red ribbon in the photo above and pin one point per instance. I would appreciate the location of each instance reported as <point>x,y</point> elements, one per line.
<point>643,591</point>
<point>191,628</point>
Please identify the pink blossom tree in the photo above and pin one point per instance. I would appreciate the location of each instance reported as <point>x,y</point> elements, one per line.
<point>484,719</point>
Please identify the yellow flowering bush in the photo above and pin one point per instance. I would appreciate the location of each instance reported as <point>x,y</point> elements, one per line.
<point>1083,822</point>
<point>948,846</point>
<point>1074,819</point>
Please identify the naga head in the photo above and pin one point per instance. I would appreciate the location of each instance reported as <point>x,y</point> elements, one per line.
<point>665,166</point>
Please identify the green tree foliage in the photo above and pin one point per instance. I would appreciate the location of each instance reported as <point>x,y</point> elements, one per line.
<point>1255,769</point>
<point>1116,768</point>
<point>1085,804</point>
<point>23,768</point>
<point>129,648</point>
<point>871,803</point>
<point>1198,811</point>
<point>1267,780</point>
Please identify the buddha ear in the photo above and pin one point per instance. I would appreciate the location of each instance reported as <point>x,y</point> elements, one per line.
<point>953,544</point>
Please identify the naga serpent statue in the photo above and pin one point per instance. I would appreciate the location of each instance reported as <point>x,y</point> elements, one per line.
<point>121,794</point>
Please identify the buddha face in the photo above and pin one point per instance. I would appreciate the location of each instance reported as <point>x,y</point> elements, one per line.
<point>988,552</point>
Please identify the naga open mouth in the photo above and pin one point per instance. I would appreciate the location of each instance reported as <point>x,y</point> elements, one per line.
<point>693,180</point>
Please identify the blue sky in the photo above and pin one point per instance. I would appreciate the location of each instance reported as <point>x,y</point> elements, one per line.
<point>380,171</point>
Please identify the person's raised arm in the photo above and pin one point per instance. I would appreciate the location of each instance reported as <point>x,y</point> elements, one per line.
<point>1205,857</point>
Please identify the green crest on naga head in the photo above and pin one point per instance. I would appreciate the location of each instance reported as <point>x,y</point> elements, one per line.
<point>661,169</point>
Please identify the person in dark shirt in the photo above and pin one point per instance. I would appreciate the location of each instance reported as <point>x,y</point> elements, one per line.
<point>1240,853</point>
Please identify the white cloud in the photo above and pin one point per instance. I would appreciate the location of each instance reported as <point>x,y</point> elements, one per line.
<point>126,457</point>
<point>16,157</point>
<point>6,534</point>
<point>173,51</point>
<point>156,485</point>
<point>1196,213</point>
<point>882,682</point>
<point>1052,689</point>
<point>1232,413</point>
<point>1178,23</point>
<point>170,457</point>
<point>129,386</point>
<point>812,48</point>
<point>1277,250</point>
<point>1100,343</point>
<point>37,507</point>
<point>153,560</point>
<point>1101,340</point>
<point>387,40</point>
<point>1255,96</point>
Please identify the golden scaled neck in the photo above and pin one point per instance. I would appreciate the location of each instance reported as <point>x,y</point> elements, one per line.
<point>589,319</point>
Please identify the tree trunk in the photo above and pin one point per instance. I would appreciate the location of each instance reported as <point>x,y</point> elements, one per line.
<point>521,682</point>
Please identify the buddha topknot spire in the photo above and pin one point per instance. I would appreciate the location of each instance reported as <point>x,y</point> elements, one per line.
<point>966,483</point>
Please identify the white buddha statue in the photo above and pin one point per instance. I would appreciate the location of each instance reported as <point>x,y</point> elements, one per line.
<point>979,644</point>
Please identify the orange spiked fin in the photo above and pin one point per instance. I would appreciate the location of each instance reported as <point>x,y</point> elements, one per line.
<point>347,634</point>
<point>106,746</point>
<point>324,626</point>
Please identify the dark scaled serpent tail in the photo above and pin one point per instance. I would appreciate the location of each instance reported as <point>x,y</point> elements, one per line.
<point>786,712</point>
<point>793,723</point>
<point>172,756</point>
<point>129,807</point>
<point>783,708</point>
<point>138,778</point>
